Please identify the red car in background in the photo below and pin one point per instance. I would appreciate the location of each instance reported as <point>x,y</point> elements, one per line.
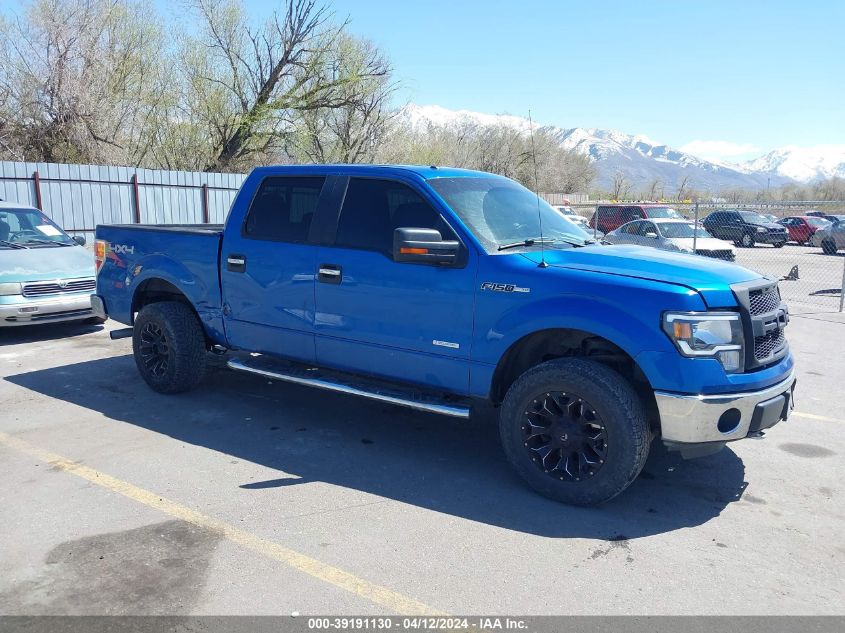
<point>801,227</point>
<point>609,217</point>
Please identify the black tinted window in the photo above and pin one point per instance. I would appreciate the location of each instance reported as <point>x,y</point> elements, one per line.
<point>372,209</point>
<point>283,209</point>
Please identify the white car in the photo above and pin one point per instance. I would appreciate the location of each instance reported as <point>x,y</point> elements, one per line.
<point>570,214</point>
<point>671,234</point>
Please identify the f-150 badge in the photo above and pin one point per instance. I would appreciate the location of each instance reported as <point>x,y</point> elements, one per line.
<point>490,285</point>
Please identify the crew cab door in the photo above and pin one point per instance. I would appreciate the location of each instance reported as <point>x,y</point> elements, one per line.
<point>409,322</point>
<point>268,266</point>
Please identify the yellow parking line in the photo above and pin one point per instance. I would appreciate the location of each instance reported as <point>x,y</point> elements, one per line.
<point>340,578</point>
<point>812,416</point>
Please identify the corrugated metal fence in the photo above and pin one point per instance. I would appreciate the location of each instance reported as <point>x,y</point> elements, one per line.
<point>79,197</point>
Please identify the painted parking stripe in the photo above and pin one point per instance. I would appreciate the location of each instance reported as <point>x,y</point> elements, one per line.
<point>811,416</point>
<point>335,576</point>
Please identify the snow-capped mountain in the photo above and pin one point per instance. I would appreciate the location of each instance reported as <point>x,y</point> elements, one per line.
<point>643,160</point>
<point>803,164</point>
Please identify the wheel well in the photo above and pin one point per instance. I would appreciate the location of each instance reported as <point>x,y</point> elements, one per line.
<point>545,345</point>
<point>154,291</point>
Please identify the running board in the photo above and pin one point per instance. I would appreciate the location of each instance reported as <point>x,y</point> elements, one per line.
<point>342,383</point>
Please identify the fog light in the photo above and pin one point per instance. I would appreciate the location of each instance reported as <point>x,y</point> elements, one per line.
<point>729,420</point>
<point>730,360</point>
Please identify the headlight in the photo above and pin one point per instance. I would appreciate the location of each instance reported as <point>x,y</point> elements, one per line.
<point>761,229</point>
<point>708,334</point>
<point>10,289</point>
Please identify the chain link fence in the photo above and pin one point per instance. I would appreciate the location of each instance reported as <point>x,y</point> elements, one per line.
<point>802,244</point>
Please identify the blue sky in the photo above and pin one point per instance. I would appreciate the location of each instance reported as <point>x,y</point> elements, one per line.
<point>723,79</point>
<point>751,75</point>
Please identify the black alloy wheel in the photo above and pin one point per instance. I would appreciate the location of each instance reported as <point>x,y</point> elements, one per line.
<point>564,436</point>
<point>154,349</point>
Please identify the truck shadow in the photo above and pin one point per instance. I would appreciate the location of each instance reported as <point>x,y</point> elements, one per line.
<point>434,462</point>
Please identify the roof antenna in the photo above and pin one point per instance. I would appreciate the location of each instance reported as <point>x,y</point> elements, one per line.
<point>543,263</point>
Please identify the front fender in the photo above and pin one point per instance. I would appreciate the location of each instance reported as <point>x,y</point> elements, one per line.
<point>628,318</point>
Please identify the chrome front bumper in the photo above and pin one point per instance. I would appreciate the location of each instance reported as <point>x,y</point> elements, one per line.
<point>68,307</point>
<point>694,419</point>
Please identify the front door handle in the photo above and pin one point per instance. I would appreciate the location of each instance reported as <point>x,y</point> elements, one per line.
<point>236,263</point>
<point>330,274</point>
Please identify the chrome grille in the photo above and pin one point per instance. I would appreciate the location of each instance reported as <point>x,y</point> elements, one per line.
<point>763,300</point>
<point>768,344</point>
<point>57,287</point>
<point>719,254</point>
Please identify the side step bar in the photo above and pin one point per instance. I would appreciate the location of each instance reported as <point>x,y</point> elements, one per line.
<point>346,384</point>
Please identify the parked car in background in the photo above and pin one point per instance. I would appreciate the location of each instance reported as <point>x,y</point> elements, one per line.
<point>800,228</point>
<point>609,217</point>
<point>831,238</point>
<point>745,228</point>
<point>573,216</point>
<point>45,275</point>
<point>672,235</point>
<point>770,217</point>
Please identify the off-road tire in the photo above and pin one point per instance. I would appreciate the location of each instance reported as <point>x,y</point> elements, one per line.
<point>614,401</point>
<point>829,247</point>
<point>185,354</point>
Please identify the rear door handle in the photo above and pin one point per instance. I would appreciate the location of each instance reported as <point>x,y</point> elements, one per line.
<point>236,263</point>
<point>330,274</point>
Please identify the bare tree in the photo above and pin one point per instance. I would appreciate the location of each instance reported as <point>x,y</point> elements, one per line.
<point>250,85</point>
<point>683,188</point>
<point>354,131</point>
<point>655,190</point>
<point>621,186</point>
<point>79,79</point>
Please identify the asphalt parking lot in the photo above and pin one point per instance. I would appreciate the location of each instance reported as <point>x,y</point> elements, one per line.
<point>246,497</point>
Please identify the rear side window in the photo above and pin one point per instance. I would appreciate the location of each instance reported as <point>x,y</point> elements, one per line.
<point>283,209</point>
<point>372,209</point>
<point>633,228</point>
<point>634,213</point>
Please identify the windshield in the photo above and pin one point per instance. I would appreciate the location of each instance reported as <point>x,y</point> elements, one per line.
<point>662,212</point>
<point>30,227</point>
<point>753,218</point>
<point>819,222</point>
<point>681,229</point>
<point>499,211</point>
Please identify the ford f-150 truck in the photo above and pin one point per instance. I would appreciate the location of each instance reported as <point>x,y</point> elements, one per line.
<point>438,288</point>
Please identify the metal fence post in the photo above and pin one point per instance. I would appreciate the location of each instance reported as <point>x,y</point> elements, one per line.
<point>137,197</point>
<point>695,230</point>
<point>842,289</point>
<point>36,179</point>
<point>205,214</point>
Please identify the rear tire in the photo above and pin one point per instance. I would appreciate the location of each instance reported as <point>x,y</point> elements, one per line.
<point>169,347</point>
<point>829,247</point>
<point>597,438</point>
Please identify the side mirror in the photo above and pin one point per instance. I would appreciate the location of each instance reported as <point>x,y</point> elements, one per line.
<point>79,239</point>
<point>652,235</point>
<point>423,246</point>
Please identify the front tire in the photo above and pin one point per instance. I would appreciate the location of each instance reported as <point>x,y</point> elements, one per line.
<point>779,244</point>
<point>829,247</point>
<point>575,430</point>
<point>747,240</point>
<point>169,347</point>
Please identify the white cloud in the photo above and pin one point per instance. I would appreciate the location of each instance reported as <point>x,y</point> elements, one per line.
<point>718,150</point>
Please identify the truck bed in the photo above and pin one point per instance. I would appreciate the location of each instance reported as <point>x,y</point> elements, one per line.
<point>183,255</point>
<point>204,229</point>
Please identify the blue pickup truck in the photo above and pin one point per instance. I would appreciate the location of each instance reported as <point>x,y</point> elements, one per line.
<point>438,289</point>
